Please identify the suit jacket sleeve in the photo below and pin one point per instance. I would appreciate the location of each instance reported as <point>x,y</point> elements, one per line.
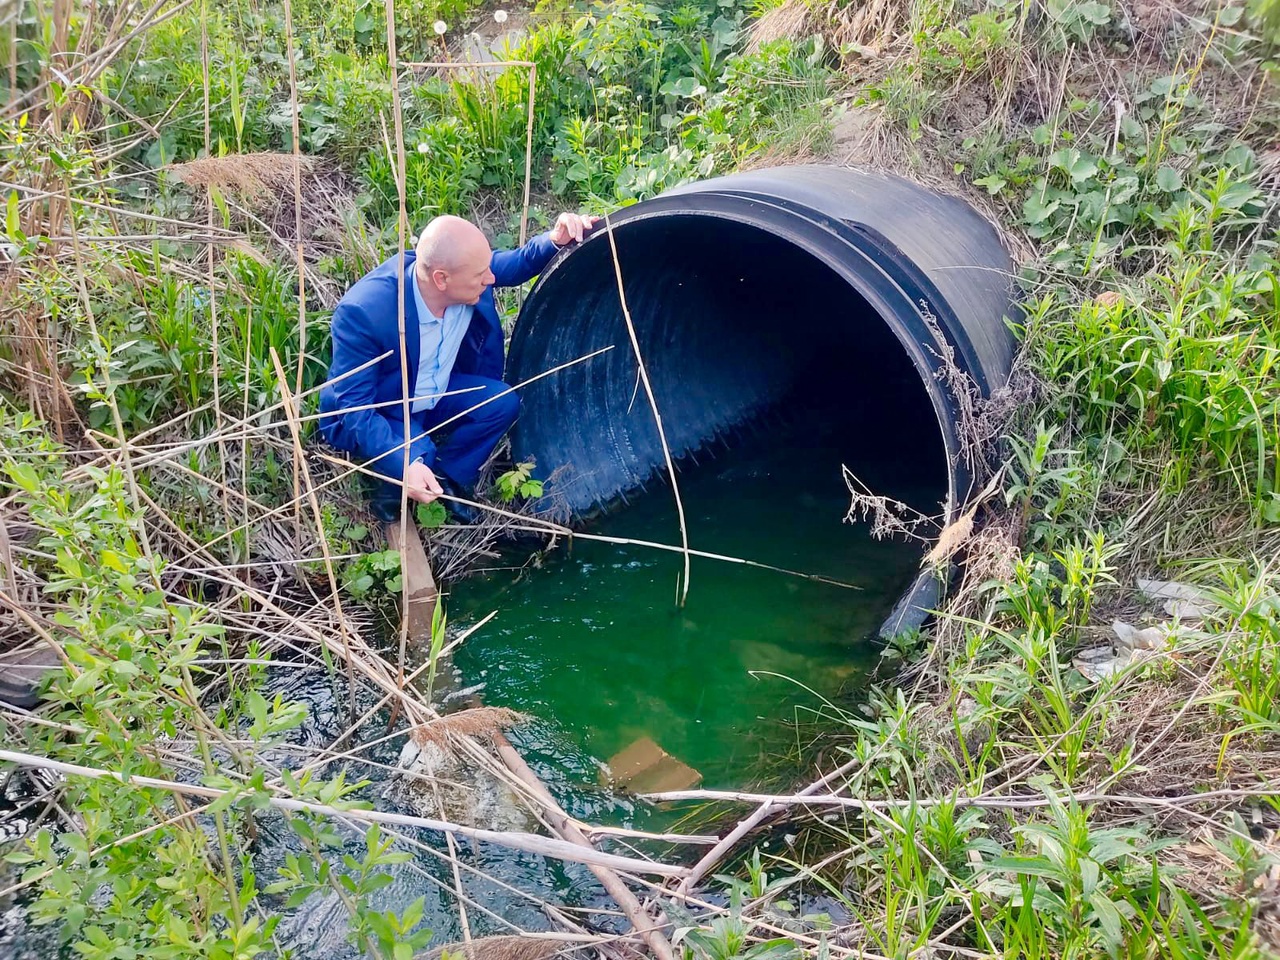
<point>514,267</point>
<point>366,432</point>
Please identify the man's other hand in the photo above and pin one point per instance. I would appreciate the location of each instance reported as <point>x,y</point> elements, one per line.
<point>422,483</point>
<point>570,228</point>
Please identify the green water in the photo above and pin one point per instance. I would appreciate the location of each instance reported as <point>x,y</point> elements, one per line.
<point>592,641</point>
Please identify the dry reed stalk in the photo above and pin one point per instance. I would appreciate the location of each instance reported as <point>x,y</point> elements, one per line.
<point>528,157</point>
<point>747,824</point>
<point>6,560</point>
<point>13,62</point>
<point>463,922</point>
<point>653,406</point>
<point>512,840</point>
<point>290,54</point>
<point>563,825</point>
<point>211,253</point>
<point>402,223</point>
<point>318,519</point>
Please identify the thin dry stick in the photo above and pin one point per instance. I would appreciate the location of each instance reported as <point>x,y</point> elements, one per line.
<point>402,223</point>
<point>717,853</point>
<point>302,266</point>
<point>6,560</point>
<point>533,524</point>
<point>560,822</point>
<point>653,405</point>
<point>213,286</point>
<point>318,518</point>
<point>528,157</point>
<point>13,60</point>
<point>510,839</point>
<point>457,876</point>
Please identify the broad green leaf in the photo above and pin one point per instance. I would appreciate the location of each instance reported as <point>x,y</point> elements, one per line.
<point>1037,208</point>
<point>430,516</point>
<point>1168,179</point>
<point>24,475</point>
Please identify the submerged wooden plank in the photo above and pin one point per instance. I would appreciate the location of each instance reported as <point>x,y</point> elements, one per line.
<point>416,568</point>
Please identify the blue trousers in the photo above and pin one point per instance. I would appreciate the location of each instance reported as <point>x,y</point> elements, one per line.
<point>469,434</point>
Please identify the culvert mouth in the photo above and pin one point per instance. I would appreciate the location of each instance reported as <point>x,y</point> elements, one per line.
<point>790,299</point>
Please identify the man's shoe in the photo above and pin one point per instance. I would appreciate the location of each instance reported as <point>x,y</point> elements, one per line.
<point>388,511</point>
<point>463,513</point>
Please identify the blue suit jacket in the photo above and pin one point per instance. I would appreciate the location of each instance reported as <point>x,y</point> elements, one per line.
<point>365,326</point>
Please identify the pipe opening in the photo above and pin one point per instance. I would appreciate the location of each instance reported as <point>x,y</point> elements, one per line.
<point>747,336</point>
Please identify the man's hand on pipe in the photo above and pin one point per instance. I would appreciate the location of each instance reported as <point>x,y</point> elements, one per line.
<point>422,483</point>
<point>571,227</point>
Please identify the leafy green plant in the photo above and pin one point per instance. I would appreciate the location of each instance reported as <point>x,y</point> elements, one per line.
<point>443,168</point>
<point>372,574</point>
<point>518,482</point>
<point>1082,883</point>
<point>431,515</point>
<point>729,938</point>
<point>382,933</point>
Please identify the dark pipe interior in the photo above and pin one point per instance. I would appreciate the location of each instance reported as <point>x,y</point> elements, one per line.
<point>739,329</point>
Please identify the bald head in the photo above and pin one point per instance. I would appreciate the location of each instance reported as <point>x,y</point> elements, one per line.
<point>453,262</point>
<point>446,241</point>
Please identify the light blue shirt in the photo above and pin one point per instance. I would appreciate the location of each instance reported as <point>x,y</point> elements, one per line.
<point>438,341</point>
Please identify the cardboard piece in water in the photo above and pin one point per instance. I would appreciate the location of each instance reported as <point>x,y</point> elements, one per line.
<point>644,767</point>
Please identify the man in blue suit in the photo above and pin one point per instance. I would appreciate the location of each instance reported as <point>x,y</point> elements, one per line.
<point>452,361</point>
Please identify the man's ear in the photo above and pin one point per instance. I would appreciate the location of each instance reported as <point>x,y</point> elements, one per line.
<point>439,279</point>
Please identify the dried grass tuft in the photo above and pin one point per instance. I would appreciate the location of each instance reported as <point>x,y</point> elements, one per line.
<point>479,723</point>
<point>249,176</point>
<point>953,537</point>
<point>792,20</point>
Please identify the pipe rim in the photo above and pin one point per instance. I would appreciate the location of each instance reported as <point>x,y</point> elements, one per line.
<point>829,241</point>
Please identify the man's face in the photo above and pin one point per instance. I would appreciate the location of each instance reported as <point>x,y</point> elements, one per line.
<point>471,274</point>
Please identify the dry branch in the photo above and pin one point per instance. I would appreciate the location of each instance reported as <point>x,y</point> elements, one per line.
<point>512,840</point>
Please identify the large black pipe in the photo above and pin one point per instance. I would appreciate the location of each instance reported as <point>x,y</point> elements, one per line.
<point>785,289</point>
